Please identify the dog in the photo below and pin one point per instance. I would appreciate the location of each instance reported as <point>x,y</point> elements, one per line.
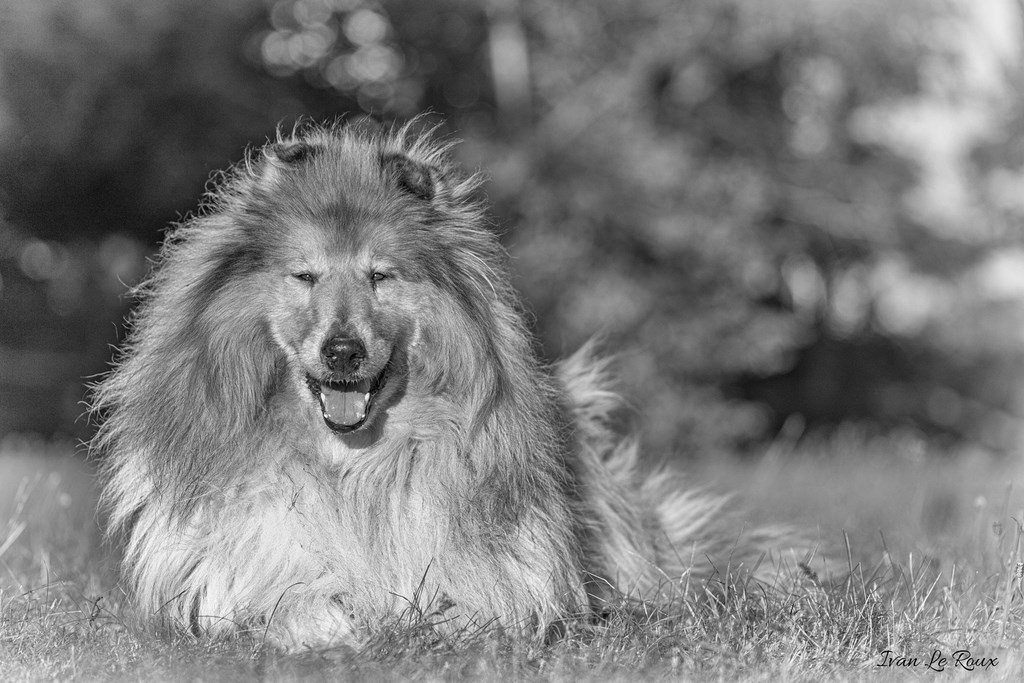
<point>329,411</point>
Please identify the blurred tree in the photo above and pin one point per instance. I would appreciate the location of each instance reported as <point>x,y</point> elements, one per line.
<point>785,207</point>
<point>115,112</point>
<point>763,193</point>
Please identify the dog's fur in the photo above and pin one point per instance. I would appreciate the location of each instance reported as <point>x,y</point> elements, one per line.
<point>479,486</point>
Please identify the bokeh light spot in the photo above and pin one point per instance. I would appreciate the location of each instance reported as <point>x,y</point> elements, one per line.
<point>41,260</point>
<point>365,27</point>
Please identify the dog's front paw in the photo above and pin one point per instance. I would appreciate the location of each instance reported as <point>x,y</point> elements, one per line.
<point>304,628</point>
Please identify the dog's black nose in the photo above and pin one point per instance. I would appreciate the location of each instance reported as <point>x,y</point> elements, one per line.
<point>343,354</point>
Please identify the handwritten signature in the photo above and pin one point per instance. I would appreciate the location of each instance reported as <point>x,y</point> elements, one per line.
<point>938,661</point>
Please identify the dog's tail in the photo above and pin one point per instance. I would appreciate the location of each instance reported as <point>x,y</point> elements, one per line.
<point>647,533</point>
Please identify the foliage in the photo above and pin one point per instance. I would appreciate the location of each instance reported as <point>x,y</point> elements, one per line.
<point>734,188</point>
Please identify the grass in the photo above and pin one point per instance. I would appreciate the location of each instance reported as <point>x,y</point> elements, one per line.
<point>929,545</point>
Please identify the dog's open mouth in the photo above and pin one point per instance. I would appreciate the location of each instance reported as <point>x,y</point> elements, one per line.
<point>346,405</point>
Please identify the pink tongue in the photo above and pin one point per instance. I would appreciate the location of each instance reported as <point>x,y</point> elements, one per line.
<point>343,407</point>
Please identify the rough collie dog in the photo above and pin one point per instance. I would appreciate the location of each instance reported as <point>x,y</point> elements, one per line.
<point>329,410</point>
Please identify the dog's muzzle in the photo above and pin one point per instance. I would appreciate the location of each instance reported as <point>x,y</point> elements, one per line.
<point>345,399</point>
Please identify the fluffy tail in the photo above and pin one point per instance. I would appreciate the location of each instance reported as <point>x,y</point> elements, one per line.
<point>650,534</point>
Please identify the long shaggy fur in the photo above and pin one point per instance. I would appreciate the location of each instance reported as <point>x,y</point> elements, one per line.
<point>481,486</point>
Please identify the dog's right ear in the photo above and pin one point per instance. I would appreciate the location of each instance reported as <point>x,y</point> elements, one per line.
<point>289,153</point>
<point>279,158</point>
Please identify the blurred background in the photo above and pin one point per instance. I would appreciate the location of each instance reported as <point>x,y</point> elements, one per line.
<point>791,217</point>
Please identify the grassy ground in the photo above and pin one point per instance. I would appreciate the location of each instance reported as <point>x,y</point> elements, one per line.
<point>934,543</point>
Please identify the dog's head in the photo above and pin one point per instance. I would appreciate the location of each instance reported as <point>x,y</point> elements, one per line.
<point>373,257</point>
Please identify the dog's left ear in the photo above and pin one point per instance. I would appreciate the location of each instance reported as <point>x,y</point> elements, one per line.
<point>419,179</point>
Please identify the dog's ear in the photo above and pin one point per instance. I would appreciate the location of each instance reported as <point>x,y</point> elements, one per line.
<point>292,152</point>
<point>419,179</point>
<point>276,159</point>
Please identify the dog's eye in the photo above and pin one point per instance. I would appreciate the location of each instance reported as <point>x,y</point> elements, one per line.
<point>305,277</point>
<point>377,276</point>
